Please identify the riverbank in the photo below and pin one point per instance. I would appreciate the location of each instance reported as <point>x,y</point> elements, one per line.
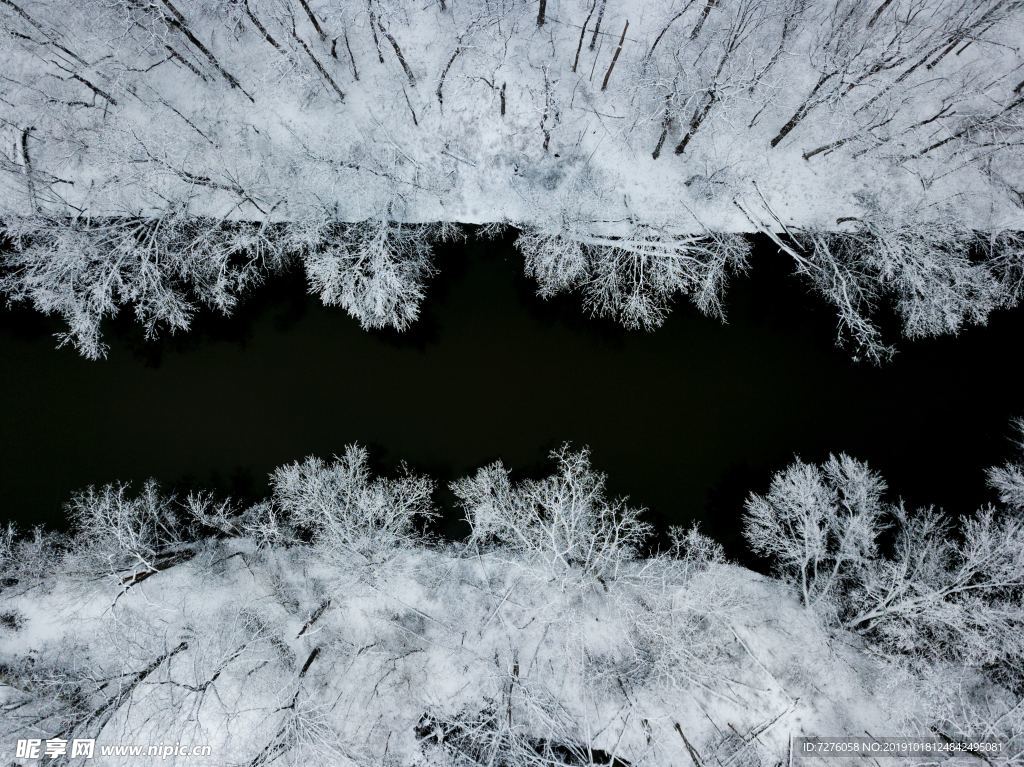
<point>879,148</point>
<point>280,654</point>
<point>484,113</point>
<point>326,622</point>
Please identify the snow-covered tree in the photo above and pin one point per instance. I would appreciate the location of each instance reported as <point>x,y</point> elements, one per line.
<point>162,268</point>
<point>818,524</point>
<point>267,645</point>
<point>1009,479</point>
<point>633,278</point>
<point>565,522</point>
<point>129,535</point>
<point>913,582</point>
<point>374,269</point>
<point>947,592</point>
<point>256,118</point>
<point>347,511</point>
<point>920,259</point>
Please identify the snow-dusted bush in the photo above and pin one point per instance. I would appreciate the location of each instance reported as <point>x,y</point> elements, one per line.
<point>566,522</point>
<point>517,726</point>
<point>346,511</point>
<point>962,704</point>
<point>680,634</point>
<point>29,559</point>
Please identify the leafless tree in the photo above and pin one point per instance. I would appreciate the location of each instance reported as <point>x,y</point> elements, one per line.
<point>346,511</point>
<point>634,277</point>
<point>819,524</point>
<point>374,269</point>
<point>936,593</point>
<point>917,257</point>
<point>565,522</point>
<point>1009,479</point>
<point>86,270</point>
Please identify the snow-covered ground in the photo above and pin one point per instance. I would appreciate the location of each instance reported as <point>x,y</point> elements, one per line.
<point>473,112</point>
<point>448,637</point>
<point>322,626</point>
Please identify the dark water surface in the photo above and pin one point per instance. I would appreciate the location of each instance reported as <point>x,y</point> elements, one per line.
<point>686,420</point>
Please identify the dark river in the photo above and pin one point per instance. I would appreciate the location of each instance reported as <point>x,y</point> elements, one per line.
<point>685,420</point>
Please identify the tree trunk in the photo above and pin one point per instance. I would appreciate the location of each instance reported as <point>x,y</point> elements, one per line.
<point>412,111</point>
<point>91,86</point>
<point>26,165</point>
<point>597,26</point>
<point>800,113</point>
<point>444,74</point>
<point>312,18</point>
<point>665,125</point>
<point>665,29</point>
<point>373,30</point>
<point>320,67</point>
<point>583,32</point>
<point>703,18</point>
<point>827,147</point>
<point>351,58</point>
<point>963,132</point>
<point>185,63</point>
<point>695,123</point>
<point>615,57</point>
<point>38,27</point>
<point>259,27</point>
<point>177,21</point>
<point>398,53</point>
<point>878,12</point>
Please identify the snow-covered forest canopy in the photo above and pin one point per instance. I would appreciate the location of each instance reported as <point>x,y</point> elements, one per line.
<point>329,625</point>
<point>162,155</point>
